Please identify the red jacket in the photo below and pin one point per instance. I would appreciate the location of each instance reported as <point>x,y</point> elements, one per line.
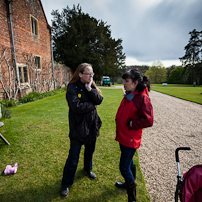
<point>135,107</point>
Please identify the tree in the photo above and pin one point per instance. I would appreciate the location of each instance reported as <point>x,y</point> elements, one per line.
<point>157,73</point>
<point>141,68</point>
<point>192,55</point>
<point>176,75</point>
<point>113,58</point>
<point>169,69</point>
<point>80,38</point>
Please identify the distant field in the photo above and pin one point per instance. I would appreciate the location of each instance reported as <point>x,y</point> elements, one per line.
<point>186,92</point>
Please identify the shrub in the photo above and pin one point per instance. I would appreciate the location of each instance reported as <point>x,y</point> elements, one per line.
<point>6,113</point>
<point>119,81</point>
<point>9,103</point>
<point>35,95</point>
<point>30,97</point>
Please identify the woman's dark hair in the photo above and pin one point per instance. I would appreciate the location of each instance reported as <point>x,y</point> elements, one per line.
<point>135,75</point>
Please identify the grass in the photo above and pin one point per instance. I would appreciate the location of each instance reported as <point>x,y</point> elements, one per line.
<point>38,134</point>
<point>186,92</point>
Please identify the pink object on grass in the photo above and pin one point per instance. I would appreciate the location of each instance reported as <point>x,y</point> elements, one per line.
<point>11,170</point>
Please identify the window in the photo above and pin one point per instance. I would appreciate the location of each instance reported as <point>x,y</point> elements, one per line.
<point>34,25</point>
<point>37,62</point>
<point>23,74</point>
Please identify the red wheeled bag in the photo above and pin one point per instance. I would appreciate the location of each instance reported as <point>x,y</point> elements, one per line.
<point>188,189</point>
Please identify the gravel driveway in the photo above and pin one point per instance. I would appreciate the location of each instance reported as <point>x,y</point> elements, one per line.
<point>177,123</point>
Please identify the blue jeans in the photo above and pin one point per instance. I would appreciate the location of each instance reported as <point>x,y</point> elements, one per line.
<point>126,161</point>
<point>73,159</point>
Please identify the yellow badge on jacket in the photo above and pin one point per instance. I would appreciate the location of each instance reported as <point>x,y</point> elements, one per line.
<point>79,95</point>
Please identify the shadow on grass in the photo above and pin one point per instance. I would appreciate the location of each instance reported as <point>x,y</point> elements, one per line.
<point>94,192</point>
<point>43,193</point>
<point>51,192</point>
<point>111,194</point>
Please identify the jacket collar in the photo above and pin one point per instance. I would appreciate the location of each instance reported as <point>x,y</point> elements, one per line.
<point>131,95</point>
<point>80,85</point>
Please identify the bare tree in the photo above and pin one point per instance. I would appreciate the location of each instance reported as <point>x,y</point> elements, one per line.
<point>7,76</point>
<point>47,79</point>
<point>40,79</point>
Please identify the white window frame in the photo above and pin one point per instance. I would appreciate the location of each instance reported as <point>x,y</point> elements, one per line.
<point>38,66</point>
<point>34,26</point>
<point>21,73</point>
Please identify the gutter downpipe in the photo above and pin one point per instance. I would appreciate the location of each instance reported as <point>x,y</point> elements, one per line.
<point>12,38</point>
<point>52,56</point>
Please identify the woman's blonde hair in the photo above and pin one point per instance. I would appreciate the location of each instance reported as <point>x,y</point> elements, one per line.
<point>80,69</point>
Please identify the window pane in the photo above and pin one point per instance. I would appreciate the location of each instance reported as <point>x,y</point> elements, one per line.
<point>32,21</point>
<point>37,62</point>
<point>25,74</point>
<point>20,75</point>
<point>34,26</point>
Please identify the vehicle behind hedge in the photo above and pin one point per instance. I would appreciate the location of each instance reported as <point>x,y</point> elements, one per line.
<point>106,81</point>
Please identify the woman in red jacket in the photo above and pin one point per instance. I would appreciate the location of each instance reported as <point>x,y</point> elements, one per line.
<point>134,113</point>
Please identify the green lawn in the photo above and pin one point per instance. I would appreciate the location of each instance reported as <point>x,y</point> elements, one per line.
<point>186,92</point>
<point>38,134</point>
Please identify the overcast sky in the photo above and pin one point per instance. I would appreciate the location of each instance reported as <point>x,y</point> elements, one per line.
<point>151,30</point>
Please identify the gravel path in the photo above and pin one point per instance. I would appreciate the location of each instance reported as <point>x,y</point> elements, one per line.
<point>177,123</point>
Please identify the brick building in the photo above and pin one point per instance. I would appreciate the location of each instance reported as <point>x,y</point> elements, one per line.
<point>26,62</point>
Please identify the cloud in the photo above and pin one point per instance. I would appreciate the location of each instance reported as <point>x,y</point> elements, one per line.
<point>130,61</point>
<point>161,33</point>
<point>151,29</point>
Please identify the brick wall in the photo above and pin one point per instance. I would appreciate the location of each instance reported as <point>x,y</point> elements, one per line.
<point>27,46</point>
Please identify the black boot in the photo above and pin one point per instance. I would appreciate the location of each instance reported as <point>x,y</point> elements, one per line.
<point>131,191</point>
<point>122,184</point>
<point>64,191</point>
<point>133,169</point>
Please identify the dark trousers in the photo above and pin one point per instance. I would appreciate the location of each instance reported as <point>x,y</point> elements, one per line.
<point>126,161</point>
<point>73,159</point>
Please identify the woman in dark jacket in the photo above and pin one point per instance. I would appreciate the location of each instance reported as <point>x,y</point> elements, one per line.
<point>83,97</point>
<point>135,113</point>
